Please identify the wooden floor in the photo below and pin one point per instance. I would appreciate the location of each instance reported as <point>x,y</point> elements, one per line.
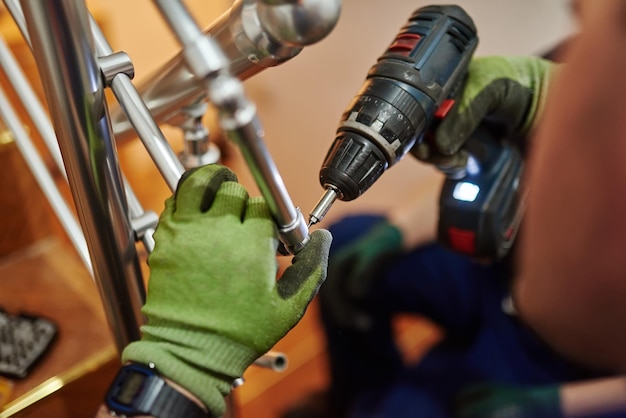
<point>84,354</point>
<point>48,278</point>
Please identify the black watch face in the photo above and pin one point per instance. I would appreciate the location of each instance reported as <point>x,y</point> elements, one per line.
<point>129,388</point>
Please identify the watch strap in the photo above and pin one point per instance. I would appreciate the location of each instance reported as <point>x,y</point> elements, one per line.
<point>139,389</point>
<point>172,404</point>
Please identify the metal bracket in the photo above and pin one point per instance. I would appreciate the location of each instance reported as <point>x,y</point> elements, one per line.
<point>114,64</point>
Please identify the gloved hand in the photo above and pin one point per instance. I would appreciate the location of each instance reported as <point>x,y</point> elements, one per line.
<point>508,92</point>
<point>495,401</point>
<point>351,271</point>
<point>213,302</point>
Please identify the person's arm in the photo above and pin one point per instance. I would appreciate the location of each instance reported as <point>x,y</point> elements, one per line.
<point>103,411</point>
<point>593,397</point>
<point>572,286</point>
<point>589,398</point>
<point>214,304</point>
<point>509,91</point>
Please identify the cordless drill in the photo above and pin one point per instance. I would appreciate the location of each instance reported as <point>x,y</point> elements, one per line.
<point>412,86</point>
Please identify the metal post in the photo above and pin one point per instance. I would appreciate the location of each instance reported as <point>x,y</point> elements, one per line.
<point>61,39</point>
<point>238,118</point>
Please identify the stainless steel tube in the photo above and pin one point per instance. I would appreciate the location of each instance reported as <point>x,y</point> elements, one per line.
<point>298,22</point>
<point>272,360</point>
<point>61,40</point>
<point>157,146</point>
<point>14,7</point>
<point>238,119</point>
<point>291,224</point>
<point>179,20</point>
<point>45,180</point>
<point>164,157</point>
<point>31,103</point>
<point>253,37</point>
<point>140,119</point>
<point>41,121</point>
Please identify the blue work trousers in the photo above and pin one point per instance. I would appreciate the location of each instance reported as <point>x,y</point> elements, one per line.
<point>482,342</point>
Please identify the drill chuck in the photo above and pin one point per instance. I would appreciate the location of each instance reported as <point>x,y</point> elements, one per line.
<point>424,66</point>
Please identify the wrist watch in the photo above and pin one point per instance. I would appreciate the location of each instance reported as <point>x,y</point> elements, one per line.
<point>138,389</point>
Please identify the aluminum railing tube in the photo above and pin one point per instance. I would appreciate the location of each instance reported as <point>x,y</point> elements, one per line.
<point>61,39</point>
<point>252,35</point>
<point>238,119</point>
<point>44,179</point>
<point>139,117</point>
<point>273,360</point>
<point>154,141</point>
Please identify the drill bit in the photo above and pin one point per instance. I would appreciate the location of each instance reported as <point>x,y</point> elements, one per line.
<point>323,206</point>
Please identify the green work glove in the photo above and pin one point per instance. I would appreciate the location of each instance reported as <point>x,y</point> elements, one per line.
<point>353,269</point>
<point>507,92</point>
<point>496,401</point>
<point>213,302</point>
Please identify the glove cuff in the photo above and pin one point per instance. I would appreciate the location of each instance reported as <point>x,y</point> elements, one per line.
<point>387,235</point>
<point>205,365</point>
<point>549,399</point>
<point>544,72</point>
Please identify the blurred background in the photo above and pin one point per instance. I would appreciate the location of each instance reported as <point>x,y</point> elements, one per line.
<point>299,104</point>
<point>301,101</point>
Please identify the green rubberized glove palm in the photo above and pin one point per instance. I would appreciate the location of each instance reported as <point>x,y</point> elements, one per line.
<point>508,92</point>
<point>353,269</point>
<point>213,302</point>
<point>494,401</point>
